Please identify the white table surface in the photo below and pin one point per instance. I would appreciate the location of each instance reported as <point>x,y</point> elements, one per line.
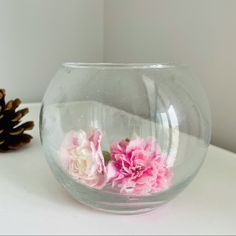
<point>32,202</point>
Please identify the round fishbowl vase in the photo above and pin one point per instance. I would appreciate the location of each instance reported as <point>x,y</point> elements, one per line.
<point>124,138</point>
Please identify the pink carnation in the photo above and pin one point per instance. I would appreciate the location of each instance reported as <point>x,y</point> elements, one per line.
<point>138,168</point>
<point>82,158</point>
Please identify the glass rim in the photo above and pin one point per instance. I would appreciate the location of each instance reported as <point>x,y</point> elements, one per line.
<point>101,65</point>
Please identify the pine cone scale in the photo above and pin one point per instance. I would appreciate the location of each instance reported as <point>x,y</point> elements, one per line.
<point>17,131</point>
<point>19,114</point>
<point>20,141</point>
<point>16,103</point>
<point>2,93</point>
<point>17,117</point>
<point>9,105</point>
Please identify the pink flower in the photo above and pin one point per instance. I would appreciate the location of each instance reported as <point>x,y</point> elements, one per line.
<point>82,158</point>
<point>137,168</point>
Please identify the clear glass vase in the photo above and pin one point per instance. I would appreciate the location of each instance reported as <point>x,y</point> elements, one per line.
<point>124,138</point>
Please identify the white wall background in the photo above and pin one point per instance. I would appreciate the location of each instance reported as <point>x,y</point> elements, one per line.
<point>201,33</point>
<point>36,36</point>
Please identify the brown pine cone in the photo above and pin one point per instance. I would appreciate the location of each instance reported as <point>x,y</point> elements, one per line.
<point>12,134</point>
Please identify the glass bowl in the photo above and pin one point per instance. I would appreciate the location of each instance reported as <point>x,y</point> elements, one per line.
<point>124,138</point>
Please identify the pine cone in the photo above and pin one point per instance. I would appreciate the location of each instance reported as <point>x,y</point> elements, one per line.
<point>12,134</point>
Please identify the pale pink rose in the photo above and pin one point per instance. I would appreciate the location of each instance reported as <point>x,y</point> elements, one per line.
<point>82,158</point>
<point>138,168</point>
